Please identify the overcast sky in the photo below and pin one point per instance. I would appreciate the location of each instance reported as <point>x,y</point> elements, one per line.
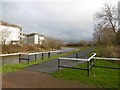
<point>68,20</point>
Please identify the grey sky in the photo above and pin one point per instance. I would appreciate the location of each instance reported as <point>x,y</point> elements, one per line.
<point>69,20</point>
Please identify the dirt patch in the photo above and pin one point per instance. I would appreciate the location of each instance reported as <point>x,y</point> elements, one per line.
<point>32,79</point>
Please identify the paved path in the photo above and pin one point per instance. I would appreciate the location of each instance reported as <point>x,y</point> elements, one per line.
<point>51,66</point>
<point>33,79</point>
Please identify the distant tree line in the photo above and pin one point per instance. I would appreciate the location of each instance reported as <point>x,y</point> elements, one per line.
<point>81,43</point>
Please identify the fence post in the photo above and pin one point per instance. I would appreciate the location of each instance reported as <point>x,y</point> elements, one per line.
<point>28,59</point>
<point>19,58</point>
<point>60,52</point>
<point>35,57</point>
<point>88,68</point>
<point>48,54</point>
<point>91,64</point>
<point>94,60</point>
<point>58,63</point>
<point>42,55</point>
<point>76,54</point>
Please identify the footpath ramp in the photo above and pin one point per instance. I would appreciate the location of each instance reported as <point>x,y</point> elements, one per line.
<point>52,65</point>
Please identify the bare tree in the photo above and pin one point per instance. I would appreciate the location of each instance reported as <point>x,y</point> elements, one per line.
<point>106,33</point>
<point>106,25</point>
<point>4,34</point>
<point>107,18</point>
<point>97,35</point>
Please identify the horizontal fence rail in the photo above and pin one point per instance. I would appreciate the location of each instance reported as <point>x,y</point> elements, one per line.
<point>94,54</point>
<point>74,59</point>
<point>107,58</point>
<point>12,54</point>
<point>79,59</point>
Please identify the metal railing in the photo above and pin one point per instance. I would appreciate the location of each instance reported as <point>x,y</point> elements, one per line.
<point>108,59</point>
<point>27,56</point>
<point>35,55</point>
<point>89,63</point>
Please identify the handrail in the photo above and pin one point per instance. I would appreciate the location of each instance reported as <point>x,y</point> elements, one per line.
<point>12,54</point>
<point>78,59</point>
<point>94,54</point>
<point>106,58</point>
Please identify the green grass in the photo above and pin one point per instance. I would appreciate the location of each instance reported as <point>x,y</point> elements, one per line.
<point>99,77</point>
<point>16,67</point>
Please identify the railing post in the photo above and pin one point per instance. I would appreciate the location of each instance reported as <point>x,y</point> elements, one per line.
<point>59,52</point>
<point>94,60</point>
<point>42,55</point>
<point>91,64</point>
<point>58,63</point>
<point>48,54</point>
<point>88,68</point>
<point>76,54</point>
<point>35,57</point>
<point>28,59</point>
<point>19,58</point>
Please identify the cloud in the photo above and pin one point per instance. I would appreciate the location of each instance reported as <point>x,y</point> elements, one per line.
<point>67,20</point>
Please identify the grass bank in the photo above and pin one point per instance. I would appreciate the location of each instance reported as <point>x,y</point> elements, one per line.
<point>99,77</point>
<point>16,67</point>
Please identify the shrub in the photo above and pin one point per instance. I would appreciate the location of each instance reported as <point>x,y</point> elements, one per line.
<point>109,51</point>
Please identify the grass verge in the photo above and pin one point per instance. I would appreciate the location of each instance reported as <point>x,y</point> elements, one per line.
<point>16,67</point>
<point>99,77</point>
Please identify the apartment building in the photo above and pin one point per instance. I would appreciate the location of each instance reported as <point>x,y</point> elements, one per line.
<point>15,33</point>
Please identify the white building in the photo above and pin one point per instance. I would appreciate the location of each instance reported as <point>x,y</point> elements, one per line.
<point>35,38</point>
<point>15,32</point>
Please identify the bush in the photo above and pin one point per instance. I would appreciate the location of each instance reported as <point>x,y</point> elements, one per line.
<point>109,51</point>
<point>51,43</point>
<point>20,48</point>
